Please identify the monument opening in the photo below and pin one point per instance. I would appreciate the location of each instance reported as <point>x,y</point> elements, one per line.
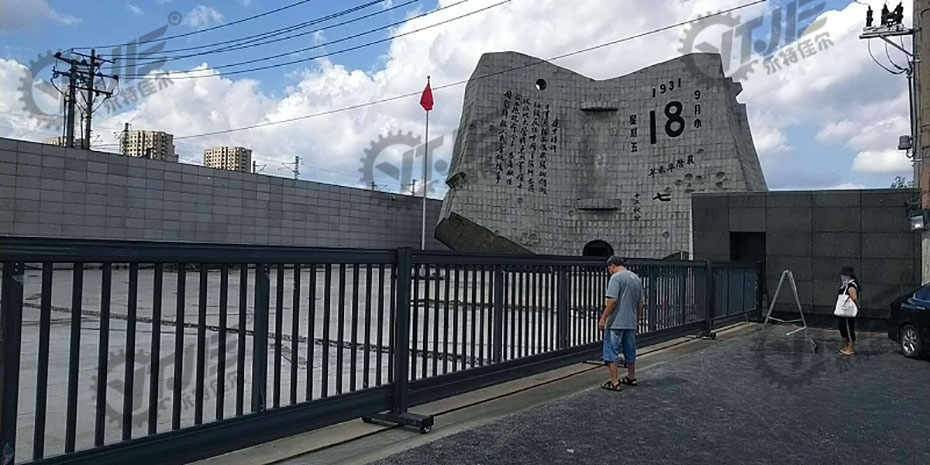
<point>541,84</point>
<point>597,248</point>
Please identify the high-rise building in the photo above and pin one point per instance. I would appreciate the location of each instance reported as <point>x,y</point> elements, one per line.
<point>228,157</point>
<point>61,141</point>
<point>157,145</point>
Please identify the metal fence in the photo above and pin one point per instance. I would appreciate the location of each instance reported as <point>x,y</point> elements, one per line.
<point>114,352</point>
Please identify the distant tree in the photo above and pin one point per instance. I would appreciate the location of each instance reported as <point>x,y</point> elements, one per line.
<point>900,183</point>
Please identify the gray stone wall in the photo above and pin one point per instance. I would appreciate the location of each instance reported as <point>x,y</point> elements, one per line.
<point>813,234</point>
<point>48,191</point>
<point>547,160</point>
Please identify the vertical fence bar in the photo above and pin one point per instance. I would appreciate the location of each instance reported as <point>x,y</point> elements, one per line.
<point>520,309</point>
<point>278,332</point>
<point>436,320</point>
<point>481,312</point>
<point>651,300</point>
<point>561,331</point>
<point>455,322</point>
<point>311,331</point>
<point>201,345</point>
<point>425,352</point>
<point>366,367</point>
<point>353,356</point>
<point>178,347</point>
<point>498,315</point>
<point>327,300</point>
<point>240,340</point>
<point>682,280</point>
<point>295,332</point>
<point>472,322</point>
<point>711,290</point>
<point>401,331</point>
<point>465,322</point>
<point>260,337</point>
<point>378,358</point>
<point>221,352</point>
<point>512,308</point>
<point>392,322</point>
<point>77,286</point>
<point>340,330</point>
<point>100,420</point>
<point>45,317</point>
<point>154,375</point>
<point>415,320</point>
<point>445,320</point>
<point>129,376</point>
<point>11,326</point>
<point>538,281</point>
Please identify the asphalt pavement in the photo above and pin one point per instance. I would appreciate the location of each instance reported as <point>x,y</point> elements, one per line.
<point>759,399</point>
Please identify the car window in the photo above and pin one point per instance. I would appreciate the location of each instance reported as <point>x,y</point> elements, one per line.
<point>923,294</point>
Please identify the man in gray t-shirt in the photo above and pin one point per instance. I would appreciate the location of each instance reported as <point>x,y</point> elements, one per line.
<point>619,320</point>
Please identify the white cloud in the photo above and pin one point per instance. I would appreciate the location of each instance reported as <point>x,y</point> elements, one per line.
<point>823,93</point>
<point>135,9</point>
<point>202,16</point>
<point>18,15</point>
<point>847,186</point>
<point>882,162</point>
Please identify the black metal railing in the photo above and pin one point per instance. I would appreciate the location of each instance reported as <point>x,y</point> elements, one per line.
<point>114,352</point>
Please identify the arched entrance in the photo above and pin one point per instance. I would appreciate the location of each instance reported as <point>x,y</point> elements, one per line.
<point>597,248</point>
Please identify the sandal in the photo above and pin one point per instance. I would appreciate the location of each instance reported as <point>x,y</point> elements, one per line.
<point>629,382</point>
<point>610,386</point>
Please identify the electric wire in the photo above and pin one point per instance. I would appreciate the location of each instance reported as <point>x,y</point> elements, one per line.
<point>257,43</point>
<point>211,70</point>
<point>201,31</point>
<point>869,44</point>
<point>272,33</point>
<point>461,82</point>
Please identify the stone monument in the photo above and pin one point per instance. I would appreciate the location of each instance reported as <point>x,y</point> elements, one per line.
<point>548,161</point>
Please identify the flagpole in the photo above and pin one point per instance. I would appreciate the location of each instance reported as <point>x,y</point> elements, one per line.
<point>425,178</point>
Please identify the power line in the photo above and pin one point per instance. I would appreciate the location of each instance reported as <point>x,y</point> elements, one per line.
<point>254,39</point>
<point>168,74</point>
<point>458,83</point>
<point>212,28</point>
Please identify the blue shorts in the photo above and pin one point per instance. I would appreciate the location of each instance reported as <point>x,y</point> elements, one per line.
<point>614,340</point>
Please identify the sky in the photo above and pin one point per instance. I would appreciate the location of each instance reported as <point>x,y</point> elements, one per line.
<point>826,117</point>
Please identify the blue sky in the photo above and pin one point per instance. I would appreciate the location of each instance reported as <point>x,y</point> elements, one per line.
<point>829,122</point>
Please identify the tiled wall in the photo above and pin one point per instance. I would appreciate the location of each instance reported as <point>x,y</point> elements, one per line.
<point>51,191</point>
<point>813,234</point>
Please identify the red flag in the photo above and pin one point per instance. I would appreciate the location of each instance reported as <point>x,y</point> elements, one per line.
<point>426,100</point>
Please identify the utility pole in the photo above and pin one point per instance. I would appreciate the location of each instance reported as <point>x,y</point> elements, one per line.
<point>80,71</point>
<point>922,149</point>
<point>124,141</point>
<point>922,98</point>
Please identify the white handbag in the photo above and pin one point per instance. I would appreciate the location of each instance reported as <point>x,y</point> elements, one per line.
<point>845,307</point>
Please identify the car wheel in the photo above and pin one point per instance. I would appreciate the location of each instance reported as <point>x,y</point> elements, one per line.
<point>910,342</point>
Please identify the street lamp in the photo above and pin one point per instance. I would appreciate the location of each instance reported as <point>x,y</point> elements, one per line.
<point>920,220</point>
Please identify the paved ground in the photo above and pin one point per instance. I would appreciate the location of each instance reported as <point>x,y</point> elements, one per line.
<point>732,403</point>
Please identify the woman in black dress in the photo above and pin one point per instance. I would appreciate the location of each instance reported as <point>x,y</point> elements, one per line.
<point>847,325</point>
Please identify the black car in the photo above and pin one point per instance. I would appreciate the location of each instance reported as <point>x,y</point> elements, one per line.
<point>909,323</point>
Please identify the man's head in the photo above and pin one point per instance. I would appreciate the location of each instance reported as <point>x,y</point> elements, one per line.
<point>615,264</point>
